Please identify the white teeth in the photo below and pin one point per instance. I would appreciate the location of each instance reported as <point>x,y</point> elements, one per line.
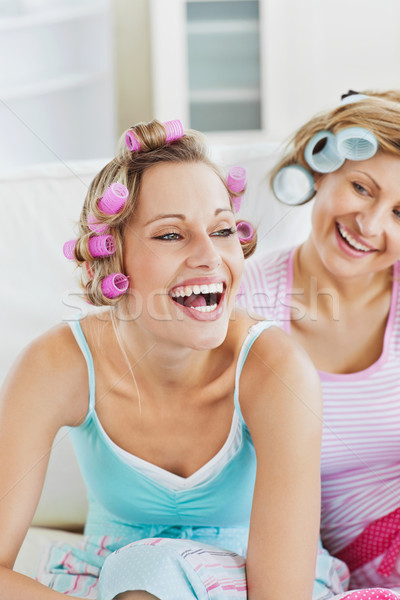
<point>205,308</point>
<point>349,238</point>
<point>187,290</point>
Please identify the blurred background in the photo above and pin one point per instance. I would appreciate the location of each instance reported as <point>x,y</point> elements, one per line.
<point>75,73</point>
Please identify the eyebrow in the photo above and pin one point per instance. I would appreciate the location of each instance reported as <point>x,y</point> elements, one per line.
<point>183,217</point>
<point>371,178</point>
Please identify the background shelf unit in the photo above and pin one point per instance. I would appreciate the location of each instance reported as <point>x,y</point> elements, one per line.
<point>56,85</point>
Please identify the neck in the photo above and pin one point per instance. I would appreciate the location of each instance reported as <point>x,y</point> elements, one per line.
<point>166,365</point>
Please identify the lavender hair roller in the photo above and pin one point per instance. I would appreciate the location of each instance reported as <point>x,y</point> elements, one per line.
<point>173,130</point>
<point>245,231</point>
<point>132,143</point>
<point>101,245</point>
<point>68,249</point>
<point>113,199</point>
<point>236,182</point>
<point>94,225</point>
<point>110,203</point>
<point>114,285</point>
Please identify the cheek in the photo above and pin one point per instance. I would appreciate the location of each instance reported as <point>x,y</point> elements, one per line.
<point>394,245</point>
<point>238,265</point>
<point>327,207</point>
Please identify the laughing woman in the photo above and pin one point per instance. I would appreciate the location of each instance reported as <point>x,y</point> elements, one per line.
<point>345,312</point>
<point>198,435</point>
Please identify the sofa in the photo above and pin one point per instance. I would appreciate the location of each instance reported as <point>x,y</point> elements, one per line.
<point>39,288</point>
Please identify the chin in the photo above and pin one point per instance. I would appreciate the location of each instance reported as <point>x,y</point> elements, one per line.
<point>208,342</point>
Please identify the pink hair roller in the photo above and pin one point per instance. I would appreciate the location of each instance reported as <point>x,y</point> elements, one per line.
<point>113,199</point>
<point>68,249</point>
<point>236,182</point>
<point>114,285</point>
<point>110,203</point>
<point>101,245</point>
<point>245,231</point>
<point>131,141</point>
<point>94,225</point>
<point>173,130</point>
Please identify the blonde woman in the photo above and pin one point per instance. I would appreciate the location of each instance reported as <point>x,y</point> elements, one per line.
<point>338,296</point>
<point>198,435</point>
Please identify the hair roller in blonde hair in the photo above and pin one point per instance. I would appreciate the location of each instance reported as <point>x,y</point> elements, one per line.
<point>114,285</point>
<point>322,154</point>
<point>356,143</point>
<point>293,185</point>
<point>68,249</point>
<point>173,131</point>
<point>326,152</point>
<point>236,182</point>
<point>99,246</point>
<point>110,203</point>
<point>245,231</point>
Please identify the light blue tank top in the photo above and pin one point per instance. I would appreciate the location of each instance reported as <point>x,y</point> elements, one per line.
<point>123,498</point>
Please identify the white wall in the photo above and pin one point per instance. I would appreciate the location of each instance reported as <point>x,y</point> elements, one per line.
<point>132,62</point>
<point>315,50</point>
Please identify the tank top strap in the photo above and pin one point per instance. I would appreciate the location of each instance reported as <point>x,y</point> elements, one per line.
<point>254,332</point>
<point>83,345</point>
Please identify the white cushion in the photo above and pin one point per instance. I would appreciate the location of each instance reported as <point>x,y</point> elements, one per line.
<point>35,540</point>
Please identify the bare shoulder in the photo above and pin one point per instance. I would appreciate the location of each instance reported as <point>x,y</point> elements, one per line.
<point>279,377</point>
<point>51,374</point>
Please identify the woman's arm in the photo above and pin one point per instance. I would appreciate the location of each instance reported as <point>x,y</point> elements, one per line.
<point>41,394</point>
<point>281,403</point>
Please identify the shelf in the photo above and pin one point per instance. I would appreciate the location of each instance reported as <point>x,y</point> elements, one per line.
<point>223,27</point>
<point>226,95</point>
<point>49,86</point>
<point>50,16</point>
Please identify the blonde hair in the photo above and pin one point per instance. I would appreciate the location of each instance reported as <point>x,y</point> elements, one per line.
<point>128,168</point>
<point>379,112</point>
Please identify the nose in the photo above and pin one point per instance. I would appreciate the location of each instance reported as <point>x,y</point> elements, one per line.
<point>371,221</point>
<point>203,253</point>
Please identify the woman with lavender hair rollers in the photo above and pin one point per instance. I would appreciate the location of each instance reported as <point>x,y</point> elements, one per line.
<point>198,436</point>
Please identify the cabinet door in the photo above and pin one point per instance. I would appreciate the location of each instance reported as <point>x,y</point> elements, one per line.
<point>206,63</point>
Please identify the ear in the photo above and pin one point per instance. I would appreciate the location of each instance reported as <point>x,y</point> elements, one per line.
<point>89,269</point>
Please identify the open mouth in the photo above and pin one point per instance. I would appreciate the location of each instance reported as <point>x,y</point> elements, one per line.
<point>202,298</point>
<point>351,241</point>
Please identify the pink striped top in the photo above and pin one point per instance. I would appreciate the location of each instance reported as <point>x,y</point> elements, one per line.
<point>361,432</point>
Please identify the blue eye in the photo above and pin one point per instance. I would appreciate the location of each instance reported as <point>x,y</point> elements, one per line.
<point>225,232</point>
<point>396,212</point>
<point>360,189</point>
<point>168,237</point>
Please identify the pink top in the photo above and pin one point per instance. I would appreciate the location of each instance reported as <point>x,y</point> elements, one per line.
<point>361,434</point>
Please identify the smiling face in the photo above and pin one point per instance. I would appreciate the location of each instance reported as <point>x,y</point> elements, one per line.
<point>356,216</point>
<point>183,256</point>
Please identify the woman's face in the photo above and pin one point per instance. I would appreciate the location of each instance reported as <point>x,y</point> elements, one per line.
<point>183,255</point>
<point>356,216</point>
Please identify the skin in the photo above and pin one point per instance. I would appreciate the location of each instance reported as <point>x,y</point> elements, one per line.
<point>364,199</point>
<point>181,381</point>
